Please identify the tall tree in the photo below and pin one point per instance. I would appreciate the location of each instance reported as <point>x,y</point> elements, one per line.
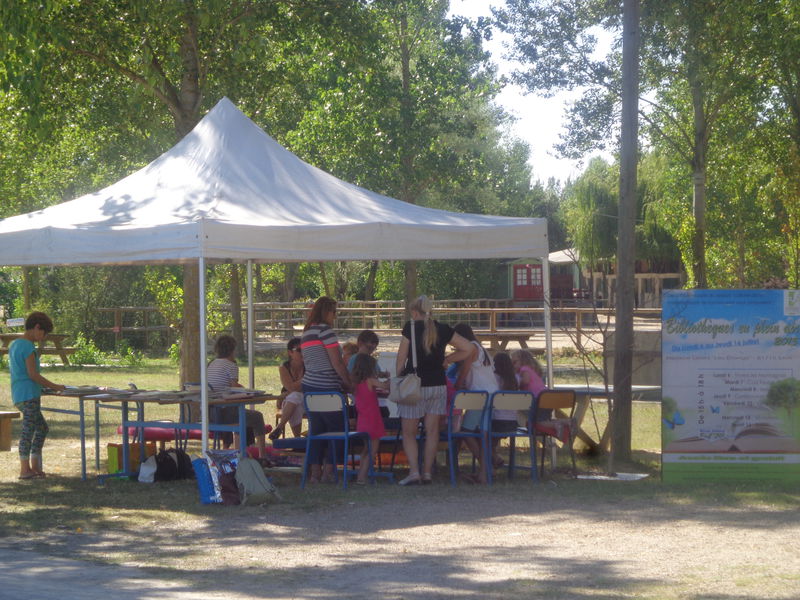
<point>417,123</point>
<point>167,58</point>
<point>691,70</point>
<point>626,249</point>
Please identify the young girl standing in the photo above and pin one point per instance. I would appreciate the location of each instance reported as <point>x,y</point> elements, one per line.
<point>364,377</point>
<point>26,392</point>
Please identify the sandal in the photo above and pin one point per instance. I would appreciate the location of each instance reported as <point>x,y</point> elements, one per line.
<point>28,476</point>
<point>427,479</point>
<point>410,480</point>
<point>275,433</point>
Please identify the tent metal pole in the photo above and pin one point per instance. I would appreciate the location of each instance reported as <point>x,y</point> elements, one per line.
<point>251,327</point>
<point>201,267</point>
<point>548,330</point>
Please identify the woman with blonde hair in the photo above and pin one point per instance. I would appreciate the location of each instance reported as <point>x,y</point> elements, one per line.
<point>431,340</point>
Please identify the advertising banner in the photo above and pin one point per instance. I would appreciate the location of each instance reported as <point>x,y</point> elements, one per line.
<point>731,385</point>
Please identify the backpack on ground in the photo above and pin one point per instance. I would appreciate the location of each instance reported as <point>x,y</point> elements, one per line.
<point>173,464</point>
<point>254,486</point>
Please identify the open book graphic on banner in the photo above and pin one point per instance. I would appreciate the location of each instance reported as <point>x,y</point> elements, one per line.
<point>759,437</point>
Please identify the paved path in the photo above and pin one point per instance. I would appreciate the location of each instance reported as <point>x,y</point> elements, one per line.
<point>26,574</point>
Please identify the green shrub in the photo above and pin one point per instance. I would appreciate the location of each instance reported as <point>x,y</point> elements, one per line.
<point>174,353</point>
<point>86,353</point>
<point>129,356</point>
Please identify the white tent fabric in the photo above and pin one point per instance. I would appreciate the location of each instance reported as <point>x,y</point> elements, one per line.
<point>230,191</point>
<point>564,257</point>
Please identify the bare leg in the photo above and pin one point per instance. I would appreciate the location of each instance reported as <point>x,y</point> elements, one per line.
<point>363,467</point>
<point>410,427</point>
<point>286,414</point>
<point>327,473</point>
<point>475,448</point>
<point>431,444</point>
<point>261,444</point>
<point>25,470</point>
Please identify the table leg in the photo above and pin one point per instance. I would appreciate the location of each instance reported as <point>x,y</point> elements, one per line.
<point>581,405</point>
<point>82,416</point>
<point>125,445</point>
<point>97,436</point>
<point>243,432</point>
<point>61,353</point>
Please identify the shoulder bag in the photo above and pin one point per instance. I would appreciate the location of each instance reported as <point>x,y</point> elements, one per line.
<point>407,389</point>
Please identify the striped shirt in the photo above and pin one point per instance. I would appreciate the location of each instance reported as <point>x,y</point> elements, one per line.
<point>319,370</point>
<point>222,373</point>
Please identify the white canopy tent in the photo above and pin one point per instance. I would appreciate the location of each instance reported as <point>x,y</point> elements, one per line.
<point>228,191</point>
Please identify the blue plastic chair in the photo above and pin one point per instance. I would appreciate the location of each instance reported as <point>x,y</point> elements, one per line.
<point>520,401</point>
<point>466,400</point>
<point>331,402</point>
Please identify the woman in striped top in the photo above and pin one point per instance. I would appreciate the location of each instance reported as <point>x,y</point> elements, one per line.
<point>223,373</point>
<point>325,371</point>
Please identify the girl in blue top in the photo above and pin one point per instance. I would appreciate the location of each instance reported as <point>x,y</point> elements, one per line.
<point>26,391</point>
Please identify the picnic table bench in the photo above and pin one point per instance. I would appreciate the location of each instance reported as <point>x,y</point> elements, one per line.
<point>57,339</point>
<point>5,428</point>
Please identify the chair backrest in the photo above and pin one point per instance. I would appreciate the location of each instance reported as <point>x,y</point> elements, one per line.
<point>470,400</point>
<point>556,399</point>
<point>323,401</point>
<point>512,400</point>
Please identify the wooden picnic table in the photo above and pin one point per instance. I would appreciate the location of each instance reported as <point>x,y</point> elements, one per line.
<point>499,340</point>
<point>182,398</point>
<point>584,394</point>
<point>57,339</point>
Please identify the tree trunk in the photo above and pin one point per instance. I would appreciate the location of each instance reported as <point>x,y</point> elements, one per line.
<point>289,281</point>
<point>235,296</point>
<point>325,284</point>
<point>26,289</point>
<point>699,187</point>
<point>411,283</point>
<point>190,326</point>
<point>626,247</point>
<point>258,288</point>
<point>369,288</point>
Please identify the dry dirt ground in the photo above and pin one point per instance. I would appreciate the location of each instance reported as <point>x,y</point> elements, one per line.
<point>430,542</point>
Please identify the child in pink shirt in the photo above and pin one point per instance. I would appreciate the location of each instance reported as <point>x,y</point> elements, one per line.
<point>530,375</point>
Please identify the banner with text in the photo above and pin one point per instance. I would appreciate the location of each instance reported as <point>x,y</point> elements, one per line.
<point>731,384</point>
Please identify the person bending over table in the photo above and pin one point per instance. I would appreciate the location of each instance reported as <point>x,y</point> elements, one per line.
<point>431,339</point>
<point>26,392</point>
<point>223,373</point>
<point>475,373</point>
<point>291,406</point>
<point>325,371</point>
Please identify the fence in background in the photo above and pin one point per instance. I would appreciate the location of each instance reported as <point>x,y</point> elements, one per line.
<point>283,320</point>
